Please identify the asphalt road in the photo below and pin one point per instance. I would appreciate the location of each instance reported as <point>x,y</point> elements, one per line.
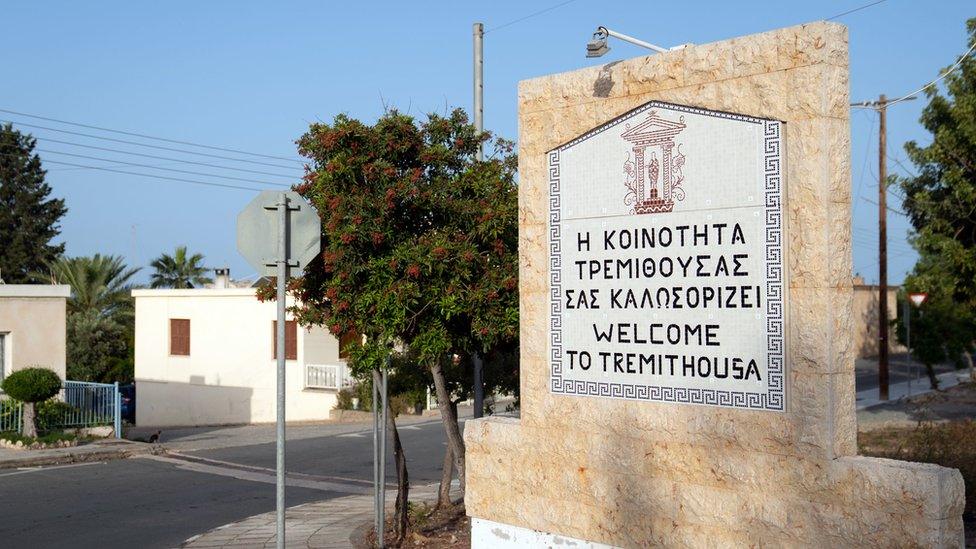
<point>147,502</point>
<point>899,369</point>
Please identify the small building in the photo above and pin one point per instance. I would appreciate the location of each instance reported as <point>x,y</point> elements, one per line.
<point>866,298</point>
<point>207,357</point>
<point>32,327</point>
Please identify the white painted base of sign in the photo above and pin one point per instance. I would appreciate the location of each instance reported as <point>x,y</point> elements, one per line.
<point>487,534</point>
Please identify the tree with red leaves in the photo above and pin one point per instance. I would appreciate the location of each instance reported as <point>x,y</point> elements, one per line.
<point>420,248</point>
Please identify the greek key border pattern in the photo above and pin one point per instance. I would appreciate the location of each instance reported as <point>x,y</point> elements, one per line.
<point>774,397</point>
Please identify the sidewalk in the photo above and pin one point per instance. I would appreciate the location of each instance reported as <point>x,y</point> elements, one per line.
<point>869,397</point>
<point>100,450</point>
<point>323,524</point>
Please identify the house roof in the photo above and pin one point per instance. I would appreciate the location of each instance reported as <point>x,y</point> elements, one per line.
<point>35,290</point>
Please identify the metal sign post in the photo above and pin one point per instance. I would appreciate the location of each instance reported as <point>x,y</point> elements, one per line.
<point>380,417</point>
<point>917,299</point>
<point>276,232</point>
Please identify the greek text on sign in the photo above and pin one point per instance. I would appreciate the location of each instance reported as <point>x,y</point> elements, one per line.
<point>666,259</point>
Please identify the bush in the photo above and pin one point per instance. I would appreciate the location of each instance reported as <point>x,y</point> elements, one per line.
<point>32,384</point>
<point>51,414</point>
<point>344,399</point>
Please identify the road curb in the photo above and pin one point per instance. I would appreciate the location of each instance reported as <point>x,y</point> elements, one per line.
<point>81,454</point>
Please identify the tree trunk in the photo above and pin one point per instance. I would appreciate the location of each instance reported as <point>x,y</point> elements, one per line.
<point>969,360</point>
<point>400,517</point>
<point>449,418</point>
<point>934,381</point>
<point>447,473</point>
<point>29,424</point>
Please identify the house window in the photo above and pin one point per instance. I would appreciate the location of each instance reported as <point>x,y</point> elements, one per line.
<point>179,336</point>
<point>291,340</point>
<point>345,342</point>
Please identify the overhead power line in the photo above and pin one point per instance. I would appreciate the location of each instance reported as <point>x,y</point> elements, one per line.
<point>207,183</point>
<point>936,81</point>
<point>912,95</point>
<point>136,143</point>
<point>143,155</point>
<point>529,16</point>
<point>145,136</point>
<point>848,12</point>
<point>175,170</point>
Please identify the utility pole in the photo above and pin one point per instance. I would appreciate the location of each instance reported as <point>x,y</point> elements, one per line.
<point>478,32</point>
<point>881,105</point>
<point>882,248</point>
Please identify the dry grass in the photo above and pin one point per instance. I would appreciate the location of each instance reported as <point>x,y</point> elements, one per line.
<point>950,444</point>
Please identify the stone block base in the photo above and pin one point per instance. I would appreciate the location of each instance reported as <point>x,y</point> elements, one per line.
<point>625,491</point>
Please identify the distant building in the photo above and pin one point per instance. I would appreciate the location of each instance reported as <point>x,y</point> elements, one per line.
<point>207,357</point>
<point>32,327</point>
<point>866,318</point>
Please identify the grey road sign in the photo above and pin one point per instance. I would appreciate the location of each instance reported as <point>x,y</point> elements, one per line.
<point>276,232</point>
<point>257,232</point>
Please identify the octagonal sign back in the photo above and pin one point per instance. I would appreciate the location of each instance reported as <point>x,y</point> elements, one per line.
<point>257,232</point>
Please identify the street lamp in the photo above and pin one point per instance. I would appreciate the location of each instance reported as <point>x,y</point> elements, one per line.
<point>597,47</point>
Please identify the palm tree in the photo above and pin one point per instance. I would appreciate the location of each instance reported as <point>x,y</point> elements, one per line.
<point>101,318</point>
<point>178,270</point>
<point>100,284</point>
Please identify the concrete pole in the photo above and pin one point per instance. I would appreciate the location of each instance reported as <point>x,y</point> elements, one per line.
<point>479,87</point>
<point>478,32</point>
<point>280,382</point>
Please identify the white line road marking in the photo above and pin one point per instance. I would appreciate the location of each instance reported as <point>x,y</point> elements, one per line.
<point>23,470</point>
<point>264,477</point>
<point>352,435</point>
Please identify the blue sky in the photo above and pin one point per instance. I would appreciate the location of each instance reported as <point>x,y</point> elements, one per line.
<point>253,75</point>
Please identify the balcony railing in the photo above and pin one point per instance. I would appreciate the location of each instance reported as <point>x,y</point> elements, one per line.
<point>323,376</point>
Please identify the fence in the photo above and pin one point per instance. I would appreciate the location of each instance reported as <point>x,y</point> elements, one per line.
<point>88,405</point>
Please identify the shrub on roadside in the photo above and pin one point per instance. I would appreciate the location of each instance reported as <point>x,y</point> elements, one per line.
<point>51,414</point>
<point>31,385</point>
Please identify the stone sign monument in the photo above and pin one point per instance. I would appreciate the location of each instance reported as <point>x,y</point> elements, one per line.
<point>687,369</point>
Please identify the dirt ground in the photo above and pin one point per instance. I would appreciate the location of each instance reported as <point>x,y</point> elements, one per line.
<point>429,528</point>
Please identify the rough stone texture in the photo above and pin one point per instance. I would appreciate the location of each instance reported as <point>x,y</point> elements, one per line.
<point>636,473</point>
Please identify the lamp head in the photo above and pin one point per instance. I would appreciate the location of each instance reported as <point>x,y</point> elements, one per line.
<point>597,47</point>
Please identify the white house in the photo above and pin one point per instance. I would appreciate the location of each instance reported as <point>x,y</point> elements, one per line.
<point>206,357</point>
<point>32,327</point>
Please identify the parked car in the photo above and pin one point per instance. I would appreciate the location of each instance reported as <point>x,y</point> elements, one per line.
<point>127,394</point>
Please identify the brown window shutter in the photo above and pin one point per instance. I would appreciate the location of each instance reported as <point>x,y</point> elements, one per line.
<point>179,336</point>
<point>349,338</point>
<point>291,339</point>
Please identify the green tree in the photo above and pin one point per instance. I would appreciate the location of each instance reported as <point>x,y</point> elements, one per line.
<point>941,199</point>
<point>28,216</point>
<point>941,204</point>
<point>30,386</point>
<point>100,324</point>
<point>942,328</point>
<point>420,245</point>
<point>179,270</point>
